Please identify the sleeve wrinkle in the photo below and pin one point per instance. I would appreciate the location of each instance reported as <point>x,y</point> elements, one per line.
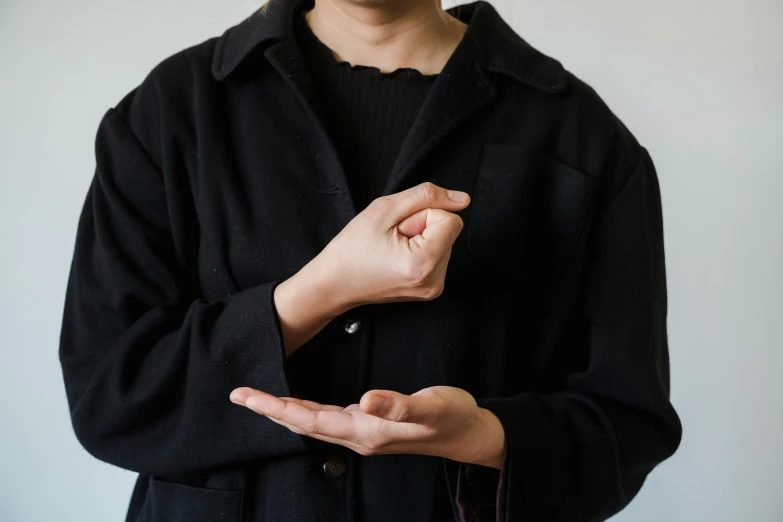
<point>147,369</point>
<point>581,449</point>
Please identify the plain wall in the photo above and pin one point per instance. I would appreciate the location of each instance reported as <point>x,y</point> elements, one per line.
<point>699,83</point>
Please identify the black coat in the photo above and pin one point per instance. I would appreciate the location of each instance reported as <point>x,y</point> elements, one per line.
<point>215,182</point>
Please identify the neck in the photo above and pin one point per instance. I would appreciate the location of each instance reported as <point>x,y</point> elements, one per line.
<point>387,34</point>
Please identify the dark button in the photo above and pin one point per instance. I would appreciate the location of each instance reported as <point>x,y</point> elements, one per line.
<point>334,466</point>
<point>352,326</point>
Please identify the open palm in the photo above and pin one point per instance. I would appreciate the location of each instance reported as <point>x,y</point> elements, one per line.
<point>441,421</point>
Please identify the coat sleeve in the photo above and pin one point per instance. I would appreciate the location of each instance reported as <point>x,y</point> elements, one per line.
<point>479,491</point>
<point>147,369</point>
<point>582,451</point>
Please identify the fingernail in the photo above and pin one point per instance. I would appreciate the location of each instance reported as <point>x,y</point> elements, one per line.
<point>457,195</point>
<point>377,404</point>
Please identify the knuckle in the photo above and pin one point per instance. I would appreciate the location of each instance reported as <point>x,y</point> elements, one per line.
<point>416,273</point>
<point>403,414</point>
<point>284,412</point>
<point>421,283</point>
<point>428,192</point>
<point>312,426</point>
<point>433,291</point>
<point>380,205</point>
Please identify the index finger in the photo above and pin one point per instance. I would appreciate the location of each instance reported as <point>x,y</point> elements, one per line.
<point>425,195</point>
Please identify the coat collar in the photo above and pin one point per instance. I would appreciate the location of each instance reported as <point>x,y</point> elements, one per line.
<point>501,49</point>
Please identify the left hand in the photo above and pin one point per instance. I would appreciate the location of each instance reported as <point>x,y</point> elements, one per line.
<point>441,421</point>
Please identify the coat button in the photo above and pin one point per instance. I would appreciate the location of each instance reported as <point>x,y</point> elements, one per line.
<point>352,326</point>
<point>334,466</point>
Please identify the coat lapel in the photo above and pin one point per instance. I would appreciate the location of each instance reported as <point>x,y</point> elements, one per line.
<point>462,88</point>
<point>287,59</point>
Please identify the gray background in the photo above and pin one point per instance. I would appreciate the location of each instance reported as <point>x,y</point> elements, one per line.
<point>699,83</point>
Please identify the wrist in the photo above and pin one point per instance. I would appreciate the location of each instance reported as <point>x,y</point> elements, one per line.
<point>303,309</point>
<point>493,437</point>
<point>319,284</point>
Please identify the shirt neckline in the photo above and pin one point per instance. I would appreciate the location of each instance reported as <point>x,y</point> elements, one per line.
<point>323,49</point>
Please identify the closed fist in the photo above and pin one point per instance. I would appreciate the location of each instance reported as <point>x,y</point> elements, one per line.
<point>398,248</point>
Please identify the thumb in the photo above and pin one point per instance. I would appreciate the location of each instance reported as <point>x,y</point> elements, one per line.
<point>398,407</point>
<point>422,196</point>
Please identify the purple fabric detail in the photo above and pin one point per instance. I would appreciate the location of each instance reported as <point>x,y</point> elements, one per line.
<point>481,491</point>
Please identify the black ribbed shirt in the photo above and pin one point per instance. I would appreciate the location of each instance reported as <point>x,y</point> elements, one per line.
<point>366,112</point>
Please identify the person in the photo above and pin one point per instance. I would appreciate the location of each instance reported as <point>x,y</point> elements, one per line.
<point>423,260</point>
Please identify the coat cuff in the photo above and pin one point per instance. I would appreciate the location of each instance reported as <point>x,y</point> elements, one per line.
<point>481,491</point>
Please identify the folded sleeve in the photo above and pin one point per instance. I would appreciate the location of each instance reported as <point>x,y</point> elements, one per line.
<point>147,367</point>
<point>581,450</point>
<point>480,491</point>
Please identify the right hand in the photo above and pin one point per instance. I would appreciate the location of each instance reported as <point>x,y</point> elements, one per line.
<point>396,249</point>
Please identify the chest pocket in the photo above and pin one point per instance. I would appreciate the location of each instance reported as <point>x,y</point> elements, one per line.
<point>528,210</point>
<point>174,502</point>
